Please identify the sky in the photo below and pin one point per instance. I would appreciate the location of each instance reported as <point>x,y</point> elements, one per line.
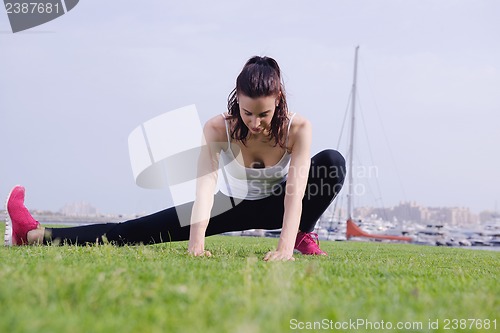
<point>428,106</point>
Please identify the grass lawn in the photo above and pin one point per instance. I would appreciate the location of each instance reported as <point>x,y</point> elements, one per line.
<point>161,289</point>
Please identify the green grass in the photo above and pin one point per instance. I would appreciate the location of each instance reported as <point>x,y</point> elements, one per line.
<point>161,289</point>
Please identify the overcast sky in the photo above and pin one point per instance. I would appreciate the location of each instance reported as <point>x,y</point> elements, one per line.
<point>73,89</point>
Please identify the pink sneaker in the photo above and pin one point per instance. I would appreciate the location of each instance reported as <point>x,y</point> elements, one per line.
<point>305,244</point>
<point>19,220</point>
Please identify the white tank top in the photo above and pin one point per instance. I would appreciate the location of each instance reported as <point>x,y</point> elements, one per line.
<point>238,181</point>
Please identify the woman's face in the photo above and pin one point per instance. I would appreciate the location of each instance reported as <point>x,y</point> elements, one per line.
<point>257,113</point>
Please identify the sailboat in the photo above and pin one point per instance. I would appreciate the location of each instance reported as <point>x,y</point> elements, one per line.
<point>352,229</point>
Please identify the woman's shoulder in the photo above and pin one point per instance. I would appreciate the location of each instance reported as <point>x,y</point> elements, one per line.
<point>215,127</point>
<point>299,122</point>
<point>299,128</point>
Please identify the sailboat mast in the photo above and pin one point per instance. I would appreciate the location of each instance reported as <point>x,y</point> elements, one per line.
<point>353,230</point>
<point>351,142</point>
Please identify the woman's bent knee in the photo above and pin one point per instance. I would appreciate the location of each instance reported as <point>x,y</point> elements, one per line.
<point>328,163</point>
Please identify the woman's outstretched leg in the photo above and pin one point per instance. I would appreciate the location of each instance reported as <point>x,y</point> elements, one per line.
<point>159,227</point>
<point>163,226</point>
<point>22,228</point>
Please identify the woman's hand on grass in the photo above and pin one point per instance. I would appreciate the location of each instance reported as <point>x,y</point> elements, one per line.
<point>198,249</point>
<point>199,253</point>
<point>279,256</point>
<point>196,245</point>
<point>203,253</point>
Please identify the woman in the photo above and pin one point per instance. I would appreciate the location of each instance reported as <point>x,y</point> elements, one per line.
<point>269,179</point>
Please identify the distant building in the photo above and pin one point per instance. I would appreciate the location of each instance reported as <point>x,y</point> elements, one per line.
<point>411,212</point>
<point>78,209</point>
<point>408,211</point>
<point>451,215</point>
<point>489,216</point>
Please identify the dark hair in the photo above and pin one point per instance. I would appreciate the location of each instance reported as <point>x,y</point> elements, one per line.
<point>260,77</point>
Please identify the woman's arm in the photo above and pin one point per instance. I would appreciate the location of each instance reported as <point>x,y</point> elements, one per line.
<point>300,138</point>
<point>208,163</point>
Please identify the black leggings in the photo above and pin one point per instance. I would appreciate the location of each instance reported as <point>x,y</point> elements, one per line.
<point>326,176</point>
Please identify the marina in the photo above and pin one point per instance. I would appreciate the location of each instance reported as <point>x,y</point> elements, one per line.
<point>479,236</point>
